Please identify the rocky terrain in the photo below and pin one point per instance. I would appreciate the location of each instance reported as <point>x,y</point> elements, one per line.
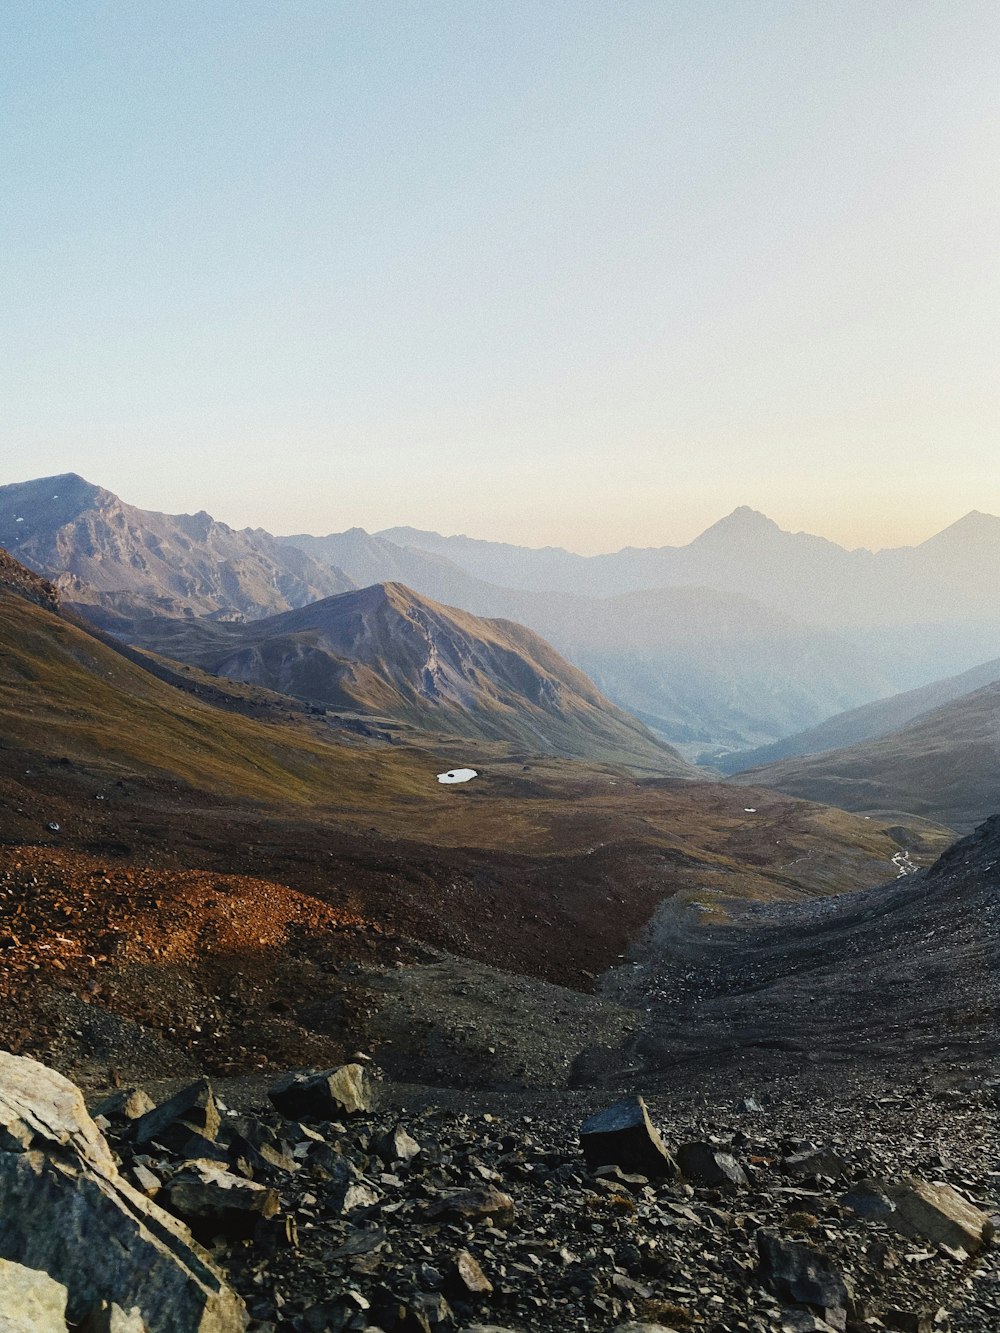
<point>336,1203</point>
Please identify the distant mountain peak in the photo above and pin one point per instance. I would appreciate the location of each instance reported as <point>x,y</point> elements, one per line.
<point>971,528</point>
<point>743,522</point>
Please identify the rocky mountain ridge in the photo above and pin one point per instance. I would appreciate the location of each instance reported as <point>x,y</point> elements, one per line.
<point>100,551</point>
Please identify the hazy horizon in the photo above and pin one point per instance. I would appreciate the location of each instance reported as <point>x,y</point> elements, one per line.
<point>374,528</point>
<point>581,274</point>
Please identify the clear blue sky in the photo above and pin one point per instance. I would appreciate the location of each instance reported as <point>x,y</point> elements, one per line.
<point>582,273</point>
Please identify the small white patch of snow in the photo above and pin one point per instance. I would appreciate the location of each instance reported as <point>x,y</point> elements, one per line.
<point>18,520</point>
<point>904,865</point>
<point>458,775</point>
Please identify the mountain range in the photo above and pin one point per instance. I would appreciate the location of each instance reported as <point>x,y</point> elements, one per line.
<point>698,665</point>
<point>102,552</point>
<point>744,637</point>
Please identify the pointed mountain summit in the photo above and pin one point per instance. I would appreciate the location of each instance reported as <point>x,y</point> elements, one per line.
<point>972,531</point>
<point>742,524</point>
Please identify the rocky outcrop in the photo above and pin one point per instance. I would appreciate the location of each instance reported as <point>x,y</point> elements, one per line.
<point>67,1212</point>
<point>14,577</point>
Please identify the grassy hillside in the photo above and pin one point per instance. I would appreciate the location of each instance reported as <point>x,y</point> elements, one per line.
<point>944,766</point>
<point>865,723</point>
<point>64,691</point>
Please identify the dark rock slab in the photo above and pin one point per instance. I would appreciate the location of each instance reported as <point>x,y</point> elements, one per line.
<point>705,1164</point>
<point>474,1205</point>
<point>346,1091</point>
<point>814,1162</point>
<point>189,1113</point>
<point>802,1273</point>
<point>623,1135</point>
<point>213,1201</point>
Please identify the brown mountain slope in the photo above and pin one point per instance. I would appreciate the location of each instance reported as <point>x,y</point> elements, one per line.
<point>103,552</point>
<point>386,651</point>
<point>865,723</point>
<point>943,766</point>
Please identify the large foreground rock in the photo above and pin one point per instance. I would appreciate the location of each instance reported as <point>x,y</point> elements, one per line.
<point>30,1302</point>
<point>624,1136</point>
<point>65,1211</point>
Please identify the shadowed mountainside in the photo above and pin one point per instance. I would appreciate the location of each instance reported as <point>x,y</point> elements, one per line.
<point>944,766</point>
<point>865,723</point>
<point>813,980</point>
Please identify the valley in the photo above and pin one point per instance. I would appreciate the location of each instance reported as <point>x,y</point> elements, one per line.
<point>227,851</point>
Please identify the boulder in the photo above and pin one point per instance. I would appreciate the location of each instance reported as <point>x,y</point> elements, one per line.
<point>32,1302</point>
<point>190,1114</point>
<point>396,1146</point>
<point>799,1272</point>
<point>348,1090</point>
<point>467,1277</point>
<point>704,1164</point>
<point>214,1202</point>
<point>67,1212</point>
<point>869,1200</point>
<point>623,1135</point>
<point>814,1162</point>
<point>939,1214</point>
<point>126,1105</point>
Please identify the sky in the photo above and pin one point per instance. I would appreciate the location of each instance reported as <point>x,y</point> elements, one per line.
<point>574,273</point>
